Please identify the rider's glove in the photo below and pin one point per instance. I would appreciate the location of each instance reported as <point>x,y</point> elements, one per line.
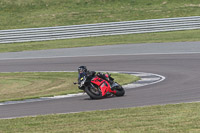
<point>81,87</point>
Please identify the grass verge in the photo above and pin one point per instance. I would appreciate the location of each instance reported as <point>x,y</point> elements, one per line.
<point>175,118</point>
<point>44,13</point>
<point>176,36</point>
<point>17,14</point>
<point>26,85</point>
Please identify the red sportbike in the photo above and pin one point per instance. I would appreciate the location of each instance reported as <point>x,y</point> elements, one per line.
<point>97,87</point>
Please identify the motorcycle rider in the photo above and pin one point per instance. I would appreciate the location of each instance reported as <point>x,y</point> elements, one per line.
<point>82,71</point>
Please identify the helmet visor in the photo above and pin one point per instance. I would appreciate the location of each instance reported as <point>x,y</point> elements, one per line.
<point>80,70</point>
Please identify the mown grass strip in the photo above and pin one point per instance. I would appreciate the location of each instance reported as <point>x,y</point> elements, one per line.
<point>26,85</point>
<point>175,118</point>
<point>17,14</point>
<point>176,36</point>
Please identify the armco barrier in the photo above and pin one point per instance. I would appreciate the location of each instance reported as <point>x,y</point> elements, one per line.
<point>99,29</point>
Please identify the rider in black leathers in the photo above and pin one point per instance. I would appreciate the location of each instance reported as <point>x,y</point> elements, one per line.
<point>82,71</point>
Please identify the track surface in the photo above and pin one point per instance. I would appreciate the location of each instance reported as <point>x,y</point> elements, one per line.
<point>181,83</point>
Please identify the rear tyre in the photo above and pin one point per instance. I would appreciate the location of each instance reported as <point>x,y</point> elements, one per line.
<point>93,92</point>
<point>120,91</point>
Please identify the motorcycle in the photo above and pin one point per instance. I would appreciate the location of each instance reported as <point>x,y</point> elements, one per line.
<point>97,87</point>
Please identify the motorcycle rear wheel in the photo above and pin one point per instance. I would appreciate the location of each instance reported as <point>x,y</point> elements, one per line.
<point>120,91</point>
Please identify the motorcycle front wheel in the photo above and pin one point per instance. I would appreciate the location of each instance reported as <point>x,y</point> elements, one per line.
<point>94,92</point>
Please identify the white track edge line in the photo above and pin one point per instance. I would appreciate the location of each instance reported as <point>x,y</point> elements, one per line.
<point>128,86</point>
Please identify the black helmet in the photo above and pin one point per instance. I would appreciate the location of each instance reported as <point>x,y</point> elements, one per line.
<point>82,69</point>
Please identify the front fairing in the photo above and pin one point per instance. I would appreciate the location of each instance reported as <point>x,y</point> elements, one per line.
<point>103,85</point>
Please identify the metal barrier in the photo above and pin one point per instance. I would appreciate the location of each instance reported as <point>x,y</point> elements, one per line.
<point>99,29</point>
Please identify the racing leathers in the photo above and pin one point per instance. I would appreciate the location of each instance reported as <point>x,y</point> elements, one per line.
<point>91,74</point>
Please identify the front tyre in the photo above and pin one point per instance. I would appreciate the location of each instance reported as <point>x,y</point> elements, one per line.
<point>93,92</point>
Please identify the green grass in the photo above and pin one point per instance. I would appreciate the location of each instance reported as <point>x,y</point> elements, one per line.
<point>26,85</point>
<point>43,13</point>
<point>176,36</point>
<point>17,14</point>
<point>177,118</point>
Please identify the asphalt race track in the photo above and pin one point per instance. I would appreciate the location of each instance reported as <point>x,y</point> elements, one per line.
<point>178,62</point>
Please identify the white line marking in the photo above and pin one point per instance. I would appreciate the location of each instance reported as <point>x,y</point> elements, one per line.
<point>150,79</point>
<point>129,86</point>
